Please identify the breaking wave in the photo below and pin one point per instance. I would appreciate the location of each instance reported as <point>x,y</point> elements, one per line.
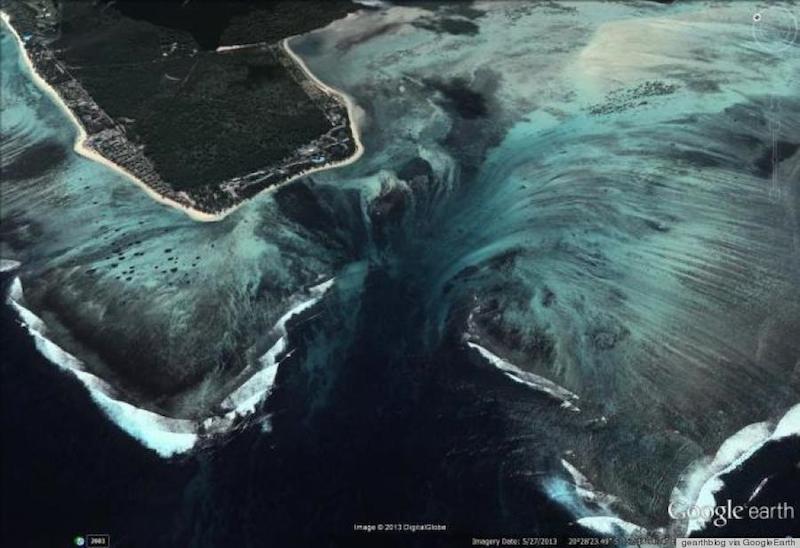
<point>703,479</point>
<point>166,436</point>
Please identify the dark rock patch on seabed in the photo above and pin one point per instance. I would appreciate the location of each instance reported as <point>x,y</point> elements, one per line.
<point>478,123</point>
<point>459,98</point>
<point>18,233</point>
<point>464,10</point>
<point>368,35</point>
<point>299,203</point>
<point>34,161</point>
<point>387,212</point>
<point>773,155</point>
<point>328,215</point>
<point>415,168</point>
<point>449,25</point>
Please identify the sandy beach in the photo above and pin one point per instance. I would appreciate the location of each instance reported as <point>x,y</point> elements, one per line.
<point>348,102</point>
<point>81,148</point>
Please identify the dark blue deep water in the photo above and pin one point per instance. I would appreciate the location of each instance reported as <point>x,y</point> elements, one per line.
<point>428,450</point>
<point>629,241</point>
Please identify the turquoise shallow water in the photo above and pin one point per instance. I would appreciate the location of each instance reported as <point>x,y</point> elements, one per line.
<point>604,196</point>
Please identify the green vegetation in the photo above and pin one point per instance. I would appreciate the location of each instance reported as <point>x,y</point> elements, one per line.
<point>202,117</point>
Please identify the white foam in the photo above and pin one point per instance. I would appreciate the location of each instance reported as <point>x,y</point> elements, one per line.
<point>532,380</point>
<point>581,498</point>
<point>701,482</point>
<point>373,3</point>
<point>731,454</point>
<point>584,488</point>
<point>165,435</point>
<point>789,425</point>
<point>7,265</point>
<point>741,444</point>
<point>243,400</point>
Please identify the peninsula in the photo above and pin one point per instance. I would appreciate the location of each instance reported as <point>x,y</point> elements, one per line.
<point>198,122</point>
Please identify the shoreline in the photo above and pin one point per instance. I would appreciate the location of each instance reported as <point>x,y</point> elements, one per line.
<point>348,101</point>
<point>80,139</point>
<point>82,136</point>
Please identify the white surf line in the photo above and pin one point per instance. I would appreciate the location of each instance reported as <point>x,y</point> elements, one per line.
<point>164,435</point>
<point>197,215</point>
<point>243,400</point>
<point>7,265</point>
<point>167,436</point>
<point>702,481</point>
<point>584,487</point>
<point>608,523</point>
<point>536,382</point>
<point>373,3</point>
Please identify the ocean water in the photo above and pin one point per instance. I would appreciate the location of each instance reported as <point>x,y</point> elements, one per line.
<point>602,197</point>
